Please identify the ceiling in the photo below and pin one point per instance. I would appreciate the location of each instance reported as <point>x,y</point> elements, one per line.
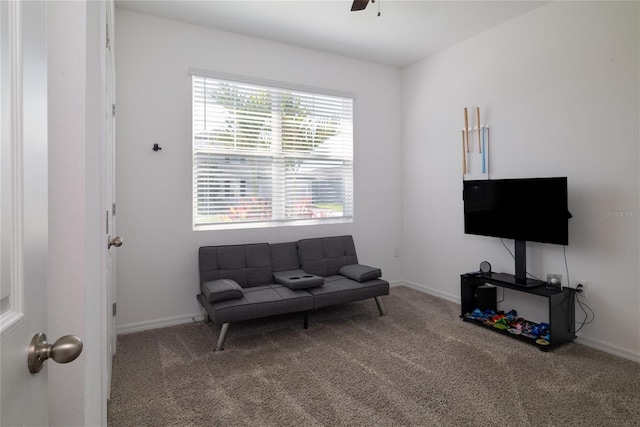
<point>405,32</point>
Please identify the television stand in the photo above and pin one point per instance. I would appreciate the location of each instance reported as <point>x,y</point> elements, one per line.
<point>561,306</point>
<point>512,280</point>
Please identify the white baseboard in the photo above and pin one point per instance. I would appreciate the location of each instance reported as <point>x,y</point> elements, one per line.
<point>608,348</point>
<point>589,342</point>
<point>427,290</point>
<point>159,323</point>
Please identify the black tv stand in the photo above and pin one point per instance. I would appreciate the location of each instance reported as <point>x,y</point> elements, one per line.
<point>561,305</point>
<point>514,281</point>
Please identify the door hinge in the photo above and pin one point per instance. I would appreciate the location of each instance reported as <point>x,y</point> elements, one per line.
<point>113,110</point>
<point>113,209</point>
<point>114,309</point>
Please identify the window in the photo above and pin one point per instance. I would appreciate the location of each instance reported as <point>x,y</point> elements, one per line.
<point>266,155</point>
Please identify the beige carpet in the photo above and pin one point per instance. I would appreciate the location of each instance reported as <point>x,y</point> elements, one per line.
<point>418,366</point>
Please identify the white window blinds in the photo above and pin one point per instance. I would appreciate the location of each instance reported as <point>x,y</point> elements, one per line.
<point>264,154</point>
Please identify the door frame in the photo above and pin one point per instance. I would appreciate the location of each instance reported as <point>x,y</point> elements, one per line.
<point>97,316</point>
<point>81,398</point>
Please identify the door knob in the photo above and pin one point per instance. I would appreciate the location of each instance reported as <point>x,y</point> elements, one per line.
<point>65,350</point>
<point>116,241</point>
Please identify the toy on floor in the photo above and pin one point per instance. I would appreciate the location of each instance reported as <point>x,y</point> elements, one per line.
<point>513,324</point>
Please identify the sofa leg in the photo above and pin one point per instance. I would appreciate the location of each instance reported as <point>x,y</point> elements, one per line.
<point>207,319</point>
<point>379,304</point>
<point>222,336</point>
<point>306,320</point>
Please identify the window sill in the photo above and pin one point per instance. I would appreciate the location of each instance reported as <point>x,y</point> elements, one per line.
<point>271,224</point>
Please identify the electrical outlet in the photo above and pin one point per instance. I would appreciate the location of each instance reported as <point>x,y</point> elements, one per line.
<point>581,287</point>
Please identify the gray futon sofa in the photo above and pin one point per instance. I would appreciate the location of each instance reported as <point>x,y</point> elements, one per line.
<point>243,282</point>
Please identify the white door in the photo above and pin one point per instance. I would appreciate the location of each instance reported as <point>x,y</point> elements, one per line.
<point>23,212</point>
<point>109,188</point>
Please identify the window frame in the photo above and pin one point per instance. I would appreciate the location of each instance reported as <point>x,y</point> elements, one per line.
<point>348,192</point>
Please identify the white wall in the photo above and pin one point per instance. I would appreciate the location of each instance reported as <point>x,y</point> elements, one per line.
<point>559,88</point>
<point>157,276</point>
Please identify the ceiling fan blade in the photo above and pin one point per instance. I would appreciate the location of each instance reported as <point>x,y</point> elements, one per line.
<point>359,4</point>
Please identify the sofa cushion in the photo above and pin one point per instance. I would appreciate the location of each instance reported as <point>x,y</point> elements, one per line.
<point>258,302</point>
<point>360,273</point>
<point>248,265</point>
<point>340,290</point>
<point>221,290</point>
<point>297,279</point>
<point>325,256</point>
<point>284,256</point>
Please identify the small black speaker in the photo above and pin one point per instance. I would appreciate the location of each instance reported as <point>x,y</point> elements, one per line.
<point>486,297</point>
<point>485,267</point>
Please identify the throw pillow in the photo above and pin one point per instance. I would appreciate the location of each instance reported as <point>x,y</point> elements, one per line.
<point>360,273</point>
<point>221,290</point>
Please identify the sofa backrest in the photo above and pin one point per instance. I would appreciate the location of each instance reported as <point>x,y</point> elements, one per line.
<point>253,264</point>
<point>324,256</point>
<point>249,265</point>
<point>284,256</point>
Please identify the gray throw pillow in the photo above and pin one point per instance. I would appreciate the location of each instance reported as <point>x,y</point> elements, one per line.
<point>360,272</point>
<point>221,290</point>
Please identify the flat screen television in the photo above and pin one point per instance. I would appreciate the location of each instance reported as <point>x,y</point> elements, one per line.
<point>522,209</point>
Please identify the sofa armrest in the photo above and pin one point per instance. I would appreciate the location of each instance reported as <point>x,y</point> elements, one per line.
<point>360,273</point>
<point>221,290</point>
<point>297,279</point>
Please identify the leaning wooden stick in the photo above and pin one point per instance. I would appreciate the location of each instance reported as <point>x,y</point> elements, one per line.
<point>466,128</point>
<point>464,155</point>
<point>478,121</point>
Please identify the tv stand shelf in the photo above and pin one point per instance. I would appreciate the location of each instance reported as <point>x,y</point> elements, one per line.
<point>561,305</point>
